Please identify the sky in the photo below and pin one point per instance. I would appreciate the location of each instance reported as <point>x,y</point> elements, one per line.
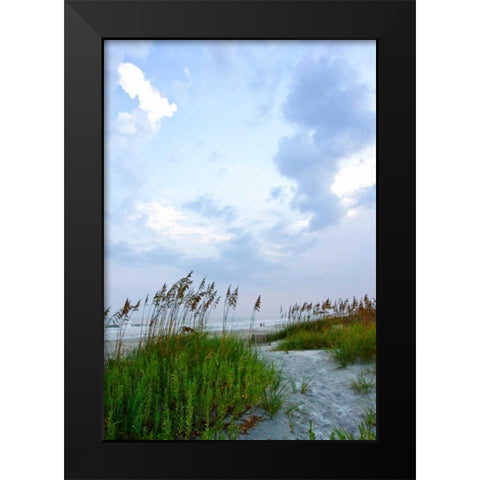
<point>250,163</point>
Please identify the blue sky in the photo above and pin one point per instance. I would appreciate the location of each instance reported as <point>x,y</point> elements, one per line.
<point>251,163</point>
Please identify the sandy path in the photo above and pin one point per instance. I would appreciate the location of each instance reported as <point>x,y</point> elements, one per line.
<point>328,401</point>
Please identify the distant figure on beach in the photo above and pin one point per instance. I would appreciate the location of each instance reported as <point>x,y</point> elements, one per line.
<point>188,329</point>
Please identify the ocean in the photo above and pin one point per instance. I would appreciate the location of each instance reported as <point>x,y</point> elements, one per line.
<point>134,328</point>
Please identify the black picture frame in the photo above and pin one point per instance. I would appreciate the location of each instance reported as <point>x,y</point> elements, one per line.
<point>392,25</point>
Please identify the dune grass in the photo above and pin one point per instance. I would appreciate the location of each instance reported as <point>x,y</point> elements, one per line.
<point>366,428</point>
<point>182,383</point>
<point>349,331</point>
<point>365,380</point>
<point>186,387</point>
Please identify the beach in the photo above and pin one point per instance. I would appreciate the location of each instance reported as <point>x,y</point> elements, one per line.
<point>130,342</point>
<point>318,393</point>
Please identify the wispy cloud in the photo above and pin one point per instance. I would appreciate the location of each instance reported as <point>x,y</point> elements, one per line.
<point>206,206</point>
<point>125,123</point>
<point>365,196</point>
<point>240,260</point>
<point>169,221</point>
<point>182,87</point>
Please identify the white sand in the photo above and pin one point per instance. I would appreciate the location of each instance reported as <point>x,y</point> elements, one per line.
<point>328,401</point>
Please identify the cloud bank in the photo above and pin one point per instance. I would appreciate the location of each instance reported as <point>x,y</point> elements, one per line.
<point>331,108</point>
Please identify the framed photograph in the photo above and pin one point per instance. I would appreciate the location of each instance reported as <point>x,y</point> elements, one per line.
<point>222,217</point>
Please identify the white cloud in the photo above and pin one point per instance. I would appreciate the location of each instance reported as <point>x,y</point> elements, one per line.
<point>357,171</point>
<point>168,221</point>
<point>134,83</point>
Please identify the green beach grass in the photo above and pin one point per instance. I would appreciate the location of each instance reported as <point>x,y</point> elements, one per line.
<point>186,387</point>
<point>183,383</point>
<point>349,331</point>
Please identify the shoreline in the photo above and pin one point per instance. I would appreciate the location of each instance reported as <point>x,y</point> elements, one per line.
<point>259,334</point>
